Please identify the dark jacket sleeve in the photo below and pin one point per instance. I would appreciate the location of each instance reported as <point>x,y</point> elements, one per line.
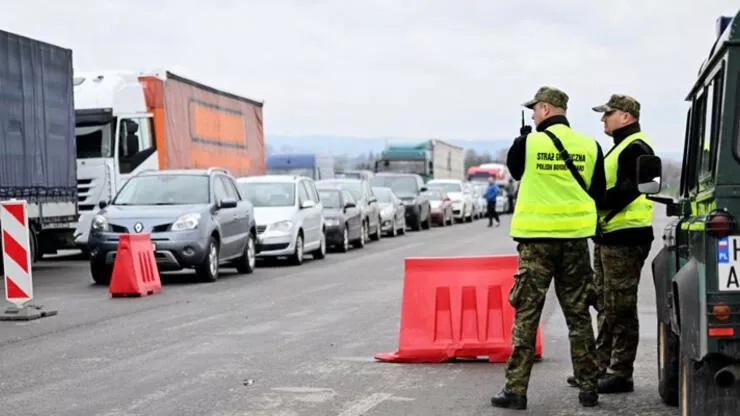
<point>597,189</point>
<point>625,191</point>
<point>515,157</point>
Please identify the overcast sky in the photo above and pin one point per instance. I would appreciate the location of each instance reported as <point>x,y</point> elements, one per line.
<point>402,68</point>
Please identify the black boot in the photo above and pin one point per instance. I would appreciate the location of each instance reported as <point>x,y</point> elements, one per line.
<point>509,400</point>
<point>612,383</point>
<point>572,381</point>
<point>588,398</point>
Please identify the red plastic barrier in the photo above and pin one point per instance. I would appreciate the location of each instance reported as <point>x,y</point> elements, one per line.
<point>135,271</point>
<point>457,307</point>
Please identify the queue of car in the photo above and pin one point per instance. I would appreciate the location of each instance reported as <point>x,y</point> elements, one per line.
<point>205,219</point>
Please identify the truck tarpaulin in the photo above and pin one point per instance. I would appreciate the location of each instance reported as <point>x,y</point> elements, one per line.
<point>37,146</point>
<point>205,127</point>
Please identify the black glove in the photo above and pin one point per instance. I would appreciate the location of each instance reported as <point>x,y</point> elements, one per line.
<point>525,130</point>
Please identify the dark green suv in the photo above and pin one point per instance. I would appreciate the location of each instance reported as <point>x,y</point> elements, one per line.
<point>697,273</point>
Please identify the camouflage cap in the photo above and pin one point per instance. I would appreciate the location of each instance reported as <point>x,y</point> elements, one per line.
<point>620,102</point>
<point>549,95</point>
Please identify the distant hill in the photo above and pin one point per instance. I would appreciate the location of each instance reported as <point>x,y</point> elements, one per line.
<point>355,146</point>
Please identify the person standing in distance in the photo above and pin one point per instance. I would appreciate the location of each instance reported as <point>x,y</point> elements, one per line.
<point>491,195</point>
<point>553,219</point>
<point>621,247</point>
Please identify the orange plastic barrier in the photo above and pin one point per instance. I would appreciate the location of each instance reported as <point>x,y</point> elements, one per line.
<point>135,271</point>
<point>457,307</point>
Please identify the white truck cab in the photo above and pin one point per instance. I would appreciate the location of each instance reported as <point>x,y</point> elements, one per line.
<point>115,138</point>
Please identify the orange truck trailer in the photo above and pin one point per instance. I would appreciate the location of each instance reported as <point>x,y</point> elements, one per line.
<point>126,122</point>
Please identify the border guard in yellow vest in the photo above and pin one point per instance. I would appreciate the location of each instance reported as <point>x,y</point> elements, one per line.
<point>561,173</point>
<point>621,246</point>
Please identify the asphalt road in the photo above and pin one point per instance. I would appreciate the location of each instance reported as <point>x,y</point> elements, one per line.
<point>283,341</point>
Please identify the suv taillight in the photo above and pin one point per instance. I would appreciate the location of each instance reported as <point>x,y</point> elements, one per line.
<point>720,224</point>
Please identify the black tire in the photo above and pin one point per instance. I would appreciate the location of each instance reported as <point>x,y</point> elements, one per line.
<point>298,256</point>
<point>344,247</point>
<point>360,242</point>
<point>247,263</point>
<point>416,226</point>
<point>320,253</point>
<point>378,233</point>
<point>208,271</point>
<point>428,222</point>
<point>668,364</point>
<point>101,273</point>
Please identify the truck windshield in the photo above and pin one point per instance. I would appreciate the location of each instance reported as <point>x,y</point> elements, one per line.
<point>403,166</point>
<point>94,140</point>
<point>268,194</point>
<point>307,172</point>
<point>164,190</point>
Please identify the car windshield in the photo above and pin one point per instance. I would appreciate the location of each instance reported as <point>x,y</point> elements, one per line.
<point>448,186</point>
<point>434,194</point>
<point>353,187</point>
<point>269,194</point>
<point>166,189</point>
<point>330,198</point>
<point>401,185</point>
<point>383,194</point>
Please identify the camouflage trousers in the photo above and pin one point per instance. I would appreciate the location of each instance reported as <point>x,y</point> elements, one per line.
<point>617,276</point>
<point>568,263</point>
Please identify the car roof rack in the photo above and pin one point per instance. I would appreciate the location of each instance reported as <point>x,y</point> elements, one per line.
<point>217,169</point>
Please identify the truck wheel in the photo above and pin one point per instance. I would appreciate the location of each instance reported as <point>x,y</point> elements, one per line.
<point>668,362</point>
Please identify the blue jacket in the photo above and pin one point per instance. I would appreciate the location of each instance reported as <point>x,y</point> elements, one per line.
<point>492,192</point>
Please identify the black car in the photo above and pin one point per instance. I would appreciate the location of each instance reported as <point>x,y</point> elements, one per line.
<point>342,218</point>
<point>410,189</point>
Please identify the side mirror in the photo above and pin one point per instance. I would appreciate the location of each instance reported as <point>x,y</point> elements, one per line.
<point>307,204</point>
<point>228,203</point>
<point>103,204</point>
<point>372,200</point>
<point>648,174</point>
<point>350,205</point>
<point>423,189</point>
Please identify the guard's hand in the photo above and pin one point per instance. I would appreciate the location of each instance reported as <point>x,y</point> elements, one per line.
<point>525,130</point>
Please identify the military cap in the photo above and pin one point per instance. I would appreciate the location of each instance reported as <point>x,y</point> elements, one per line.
<point>620,102</point>
<point>549,95</point>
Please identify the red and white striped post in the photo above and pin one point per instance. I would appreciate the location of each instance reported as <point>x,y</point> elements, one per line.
<point>17,273</point>
<point>16,252</point>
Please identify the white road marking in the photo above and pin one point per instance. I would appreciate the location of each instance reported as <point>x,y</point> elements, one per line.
<point>365,404</point>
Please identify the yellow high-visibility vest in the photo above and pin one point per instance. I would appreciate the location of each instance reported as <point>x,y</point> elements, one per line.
<point>639,213</point>
<point>551,203</point>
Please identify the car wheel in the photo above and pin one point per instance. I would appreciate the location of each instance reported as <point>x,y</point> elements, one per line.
<point>208,270</point>
<point>297,257</point>
<point>320,253</point>
<point>360,243</point>
<point>345,240</point>
<point>101,273</point>
<point>377,235</point>
<point>247,262</point>
<point>428,223</point>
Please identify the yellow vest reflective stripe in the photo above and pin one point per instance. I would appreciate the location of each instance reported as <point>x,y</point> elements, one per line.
<point>639,213</point>
<point>550,202</point>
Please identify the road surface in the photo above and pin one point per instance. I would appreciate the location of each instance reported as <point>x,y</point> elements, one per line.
<point>283,341</point>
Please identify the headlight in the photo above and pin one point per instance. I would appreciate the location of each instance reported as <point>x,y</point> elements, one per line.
<point>186,222</point>
<point>100,223</point>
<point>331,222</point>
<point>281,226</point>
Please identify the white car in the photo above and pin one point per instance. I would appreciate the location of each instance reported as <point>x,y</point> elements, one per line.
<point>289,216</point>
<point>462,198</point>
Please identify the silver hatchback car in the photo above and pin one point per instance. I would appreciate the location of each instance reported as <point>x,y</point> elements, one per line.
<point>289,216</point>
